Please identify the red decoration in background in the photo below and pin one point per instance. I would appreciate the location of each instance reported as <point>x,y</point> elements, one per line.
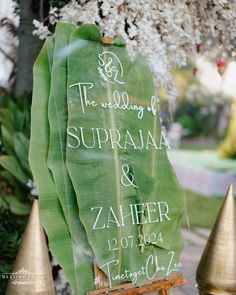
<point>194,70</point>
<point>221,66</point>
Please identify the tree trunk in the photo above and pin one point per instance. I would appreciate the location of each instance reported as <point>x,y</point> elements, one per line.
<point>29,46</point>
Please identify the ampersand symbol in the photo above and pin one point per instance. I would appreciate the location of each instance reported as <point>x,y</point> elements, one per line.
<point>127,179</point>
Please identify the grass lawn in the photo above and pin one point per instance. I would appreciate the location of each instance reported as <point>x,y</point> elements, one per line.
<point>202,211</point>
<point>203,159</point>
<point>198,147</point>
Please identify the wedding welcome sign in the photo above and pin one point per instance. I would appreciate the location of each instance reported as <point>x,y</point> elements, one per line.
<point>108,194</point>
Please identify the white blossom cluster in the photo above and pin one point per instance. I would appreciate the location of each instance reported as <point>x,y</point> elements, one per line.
<point>61,284</point>
<point>167,32</point>
<point>40,30</point>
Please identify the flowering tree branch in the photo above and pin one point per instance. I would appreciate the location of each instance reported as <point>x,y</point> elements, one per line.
<point>166,32</point>
<point>7,55</point>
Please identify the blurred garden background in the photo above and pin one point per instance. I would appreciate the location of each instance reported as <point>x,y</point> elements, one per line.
<point>200,124</point>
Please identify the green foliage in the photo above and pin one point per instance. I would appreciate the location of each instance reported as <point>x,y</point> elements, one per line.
<point>227,148</point>
<point>14,138</point>
<point>197,110</point>
<point>11,229</point>
<point>198,115</point>
<point>59,3</point>
<point>198,215</point>
<point>14,175</point>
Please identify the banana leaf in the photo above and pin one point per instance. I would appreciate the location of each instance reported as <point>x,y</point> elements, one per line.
<point>51,211</point>
<point>99,190</point>
<point>97,167</point>
<point>57,114</point>
<point>92,172</point>
<point>152,171</point>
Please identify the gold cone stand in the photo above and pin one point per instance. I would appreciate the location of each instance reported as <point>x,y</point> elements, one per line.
<point>216,273</point>
<point>32,273</point>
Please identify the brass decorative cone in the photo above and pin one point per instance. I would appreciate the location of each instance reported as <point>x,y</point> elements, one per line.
<point>32,273</point>
<point>216,272</point>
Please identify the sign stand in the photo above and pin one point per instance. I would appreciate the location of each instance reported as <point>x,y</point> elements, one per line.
<point>163,285</point>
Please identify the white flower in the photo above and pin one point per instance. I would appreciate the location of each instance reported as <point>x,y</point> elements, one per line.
<point>53,15</point>
<point>41,30</point>
<point>166,32</point>
<point>32,185</point>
